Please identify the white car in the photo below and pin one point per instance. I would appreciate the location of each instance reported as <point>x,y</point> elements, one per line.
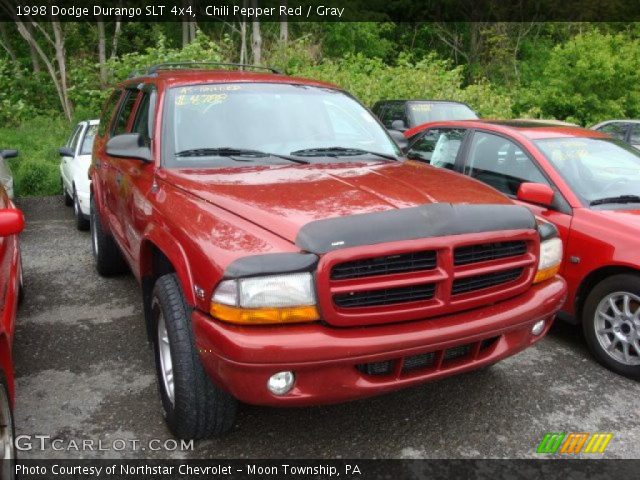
<point>74,170</point>
<point>6,178</point>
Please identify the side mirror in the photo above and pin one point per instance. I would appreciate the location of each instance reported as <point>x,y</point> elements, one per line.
<point>8,153</point>
<point>537,193</point>
<point>129,145</point>
<point>399,138</point>
<point>11,222</point>
<point>65,152</point>
<point>398,125</point>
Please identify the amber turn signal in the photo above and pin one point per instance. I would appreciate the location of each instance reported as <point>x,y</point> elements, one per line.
<point>546,274</point>
<point>264,316</point>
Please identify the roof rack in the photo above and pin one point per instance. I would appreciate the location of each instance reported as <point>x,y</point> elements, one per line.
<point>178,65</point>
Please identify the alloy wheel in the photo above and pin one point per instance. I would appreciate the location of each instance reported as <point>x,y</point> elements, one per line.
<point>617,327</point>
<point>166,364</point>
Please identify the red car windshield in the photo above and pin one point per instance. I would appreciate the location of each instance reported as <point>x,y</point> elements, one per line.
<point>600,171</point>
<point>217,125</point>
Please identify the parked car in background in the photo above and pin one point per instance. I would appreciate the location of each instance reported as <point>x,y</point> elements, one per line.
<point>11,224</point>
<point>290,259</point>
<point>404,114</point>
<point>74,170</point>
<point>626,130</point>
<point>6,178</point>
<point>588,185</point>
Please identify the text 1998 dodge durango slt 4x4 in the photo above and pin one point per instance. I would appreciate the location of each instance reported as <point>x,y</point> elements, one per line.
<point>288,256</point>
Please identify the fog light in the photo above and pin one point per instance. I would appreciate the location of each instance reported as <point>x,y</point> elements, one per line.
<point>537,328</point>
<point>281,382</point>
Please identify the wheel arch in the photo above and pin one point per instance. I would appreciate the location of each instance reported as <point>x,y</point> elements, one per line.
<point>593,278</point>
<point>158,257</point>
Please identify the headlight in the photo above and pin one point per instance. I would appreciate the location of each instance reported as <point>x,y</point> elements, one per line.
<point>272,299</point>
<point>550,259</point>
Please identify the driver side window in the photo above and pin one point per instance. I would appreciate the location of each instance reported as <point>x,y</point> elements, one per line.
<point>439,147</point>
<point>501,164</point>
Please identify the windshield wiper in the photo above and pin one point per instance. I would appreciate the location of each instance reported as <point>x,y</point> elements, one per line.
<point>339,152</point>
<point>233,152</point>
<point>618,199</point>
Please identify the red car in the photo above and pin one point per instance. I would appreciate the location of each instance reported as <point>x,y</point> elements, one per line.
<point>288,256</point>
<point>11,223</point>
<point>588,185</point>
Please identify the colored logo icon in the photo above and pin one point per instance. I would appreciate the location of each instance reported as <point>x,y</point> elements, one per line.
<point>574,443</point>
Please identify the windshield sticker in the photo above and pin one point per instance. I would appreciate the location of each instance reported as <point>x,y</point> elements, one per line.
<point>197,99</point>
<point>421,107</point>
<point>208,89</point>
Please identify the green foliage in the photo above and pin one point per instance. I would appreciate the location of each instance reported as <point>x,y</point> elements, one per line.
<point>14,101</point>
<point>36,170</point>
<point>365,38</point>
<point>370,79</point>
<point>87,93</point>
<point>589,78</point>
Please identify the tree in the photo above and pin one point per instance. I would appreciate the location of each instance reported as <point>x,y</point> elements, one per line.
<point>284,26</point>
<point>43,44</point>
<point>5,43</point>
<point>256,37</point>
<point>102,52</point>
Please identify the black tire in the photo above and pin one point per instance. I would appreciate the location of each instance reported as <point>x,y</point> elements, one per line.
<point>82,222</point>
<point>68,201</point>
<point>199,409</point>
<point>7,429</point>
<point>627,283</point>
<point>106,253</point>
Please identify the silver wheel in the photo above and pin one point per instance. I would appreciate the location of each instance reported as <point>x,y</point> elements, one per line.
<point>617,327</point>
<point>6,435</point>
<point>166,364</point>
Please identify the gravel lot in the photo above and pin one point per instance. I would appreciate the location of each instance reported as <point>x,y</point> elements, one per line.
<point>85,372</point>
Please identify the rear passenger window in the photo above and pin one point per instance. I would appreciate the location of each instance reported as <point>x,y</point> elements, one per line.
<point>108,109</point>
<point>120,124</point>
<point>141,123</point>
<point>501,163</point>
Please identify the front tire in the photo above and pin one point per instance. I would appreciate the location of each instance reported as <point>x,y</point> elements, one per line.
<point>194,408</point>
<point>7,434</point>
<point>82,223</point>
<point>106,253</point>
<point>611,323</point>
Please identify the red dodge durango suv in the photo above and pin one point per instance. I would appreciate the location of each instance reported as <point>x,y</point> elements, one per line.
<point>288,255</point>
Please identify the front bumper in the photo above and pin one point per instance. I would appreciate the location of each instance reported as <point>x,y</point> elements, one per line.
<point>325,359</point>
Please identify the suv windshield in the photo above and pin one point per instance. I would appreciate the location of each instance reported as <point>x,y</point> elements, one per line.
<point>217,125</point>
<point>423,112</point>
<point>600,171</point>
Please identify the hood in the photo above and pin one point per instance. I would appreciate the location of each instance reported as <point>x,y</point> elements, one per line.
<point>282,199</point>
<point>621,222</point>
